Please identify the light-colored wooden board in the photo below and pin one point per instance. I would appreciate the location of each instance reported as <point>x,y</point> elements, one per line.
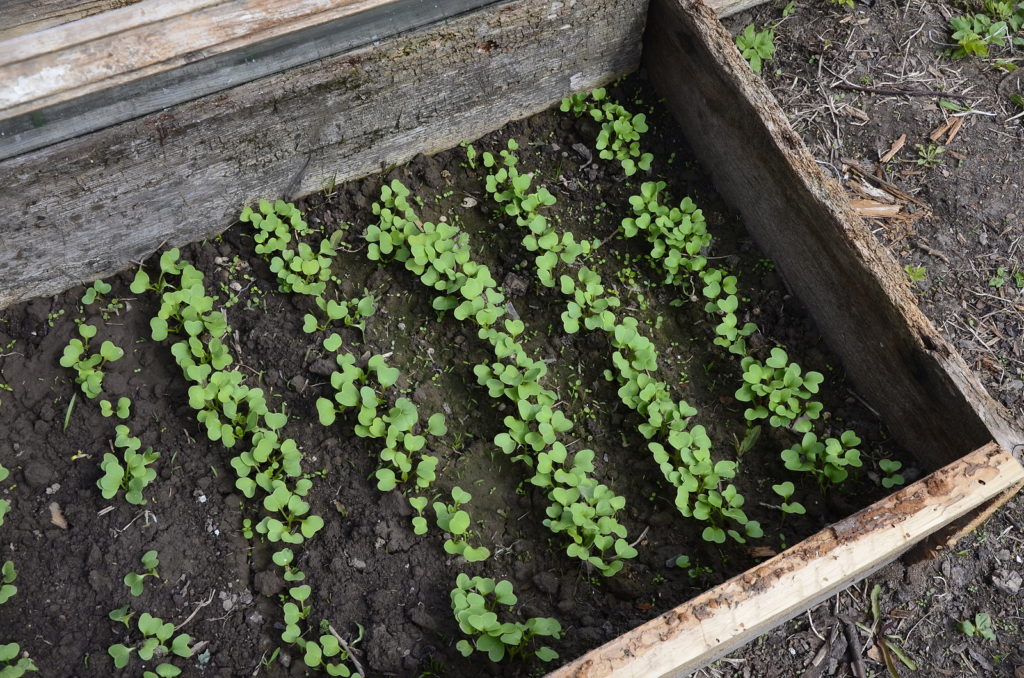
<point>91,205</point>
<point>19,17</point>
<point>857,294</point>
<point>86,76</point>
<point>714,623</point>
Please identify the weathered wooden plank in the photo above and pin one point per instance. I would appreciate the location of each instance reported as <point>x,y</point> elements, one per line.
<point>89,206</point>
<point>858,296</point>
<point>19,17</point>
<point>716,622</point>
<point>75,79</point>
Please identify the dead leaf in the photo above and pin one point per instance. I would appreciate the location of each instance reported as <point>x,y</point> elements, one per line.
<point>57,516</point>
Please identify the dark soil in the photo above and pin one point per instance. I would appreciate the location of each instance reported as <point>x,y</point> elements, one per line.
<point>968,225</point>
<point>367,567</point>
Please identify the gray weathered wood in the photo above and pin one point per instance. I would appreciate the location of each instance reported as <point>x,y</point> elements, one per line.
<point>119,66</point>
<point>89,206</point>
<point>858,296</point>
<point>19,17</point>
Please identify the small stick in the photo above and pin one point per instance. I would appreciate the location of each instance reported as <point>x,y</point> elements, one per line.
<point>857,662</point>
<point>642,535</point>
<point>195,612</point>
<point>348,650</point>
<point>902,92</point>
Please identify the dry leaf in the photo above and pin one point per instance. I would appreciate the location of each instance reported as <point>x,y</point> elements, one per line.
<point>57,516</point>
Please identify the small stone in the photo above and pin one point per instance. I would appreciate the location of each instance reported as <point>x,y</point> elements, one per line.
<point>323,367</point>
<point>269,583</point>
<point>357,564</point>
<point>37,475</point>
<point>516,285</point>
<point>298,383</point>
<point>1007,581</point>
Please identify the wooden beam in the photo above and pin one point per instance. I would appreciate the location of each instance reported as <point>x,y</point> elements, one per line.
<point>94,73</point>
<point>91,205</point>
<point>19,17</point>
<point>857,294</point>
<point>714,623</point>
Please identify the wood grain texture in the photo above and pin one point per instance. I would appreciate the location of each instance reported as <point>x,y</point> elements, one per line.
<point>89,206</point>
<point>80,78</point>
<point>859,297</point>
<point>19,17</point>
<point>716,622</point>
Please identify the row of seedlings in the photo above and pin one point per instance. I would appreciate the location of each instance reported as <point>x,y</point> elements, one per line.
<point>13,662</point>
<point>384,415</point>
<point>681,450</point>
<point>777,389</point>
<point>267,463</point>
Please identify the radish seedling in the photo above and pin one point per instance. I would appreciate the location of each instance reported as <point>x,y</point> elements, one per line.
<point>5,506</point>
<point>89,367</point>
<point>96,290</point>
<point>620,130</point>
<point>158,640</point>
<point>13,666</point>
<point>452,519</point>
<point>7,577</point>
<point>827,461</point>
<point>786,490</point>
<point>133,475</point>
<point>122,410</point>
<point>134,581</point>
<point>779,391</point>
<point>475,603</point>
<point>890,468</point>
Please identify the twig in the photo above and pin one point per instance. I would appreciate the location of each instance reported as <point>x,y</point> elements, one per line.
<point>856,661</point>
<point>348,650</point>
<point>902,92</point>
<point>642,535</point>
<point>195,611</point>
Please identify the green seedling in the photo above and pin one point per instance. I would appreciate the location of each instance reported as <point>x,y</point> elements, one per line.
<point>158,640</point>
<point>827,461</point>
<point>131,473</point>
<point>779,391</point>
<point>756,46</point>
<point>928,156</point>
<point>451,518</point>
<point>619,138</point>
<point>975,34</point>
<point>12,665</point>
<point>7,577</point>
<point>5,505</point>
<point>419,523</point>
<point>123,615</point>
<point>980,626</point>
<point>915,273</point>
<point>750,439</point>
<point>122,410</point>
<point>134,581</point>
<point>475,603</point>
<point>96,290</point>
<point>89,367</point>
<point>892,477</point>
<point>786,490</point>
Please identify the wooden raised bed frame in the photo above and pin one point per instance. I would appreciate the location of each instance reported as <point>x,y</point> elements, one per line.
<point>116,171</point>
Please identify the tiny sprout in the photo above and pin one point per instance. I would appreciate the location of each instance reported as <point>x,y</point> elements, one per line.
<point>122,614</point>
<point>134,581</point>
<point>890,467</point>
<point>122,410</point>
<point>95,290</point>
<point>7,587</point>
<point>786,490</point>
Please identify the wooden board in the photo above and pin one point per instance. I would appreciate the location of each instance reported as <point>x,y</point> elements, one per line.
<point>94,73</point>
<point>716,622</point>
<point>858,296</point>
<point>89,206</point>
<point>19,17</point>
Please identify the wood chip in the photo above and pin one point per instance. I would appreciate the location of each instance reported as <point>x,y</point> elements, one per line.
<point>762,552</point>
<point>855,112</point>
<point>57,516</point>
<point>894,149</point>
<point>954,129</point>
<point>958,156</point>
<point>874,209</point>
<point>866,190</point>
<point>940,130</point>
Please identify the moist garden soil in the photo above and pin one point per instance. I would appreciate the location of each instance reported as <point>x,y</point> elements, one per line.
<point>372,576</point>
<point>967,224</point>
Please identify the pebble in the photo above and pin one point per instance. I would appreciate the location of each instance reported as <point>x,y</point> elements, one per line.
<point>358,564</point>
<point>37,475</point>
<point>1007,581</point>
